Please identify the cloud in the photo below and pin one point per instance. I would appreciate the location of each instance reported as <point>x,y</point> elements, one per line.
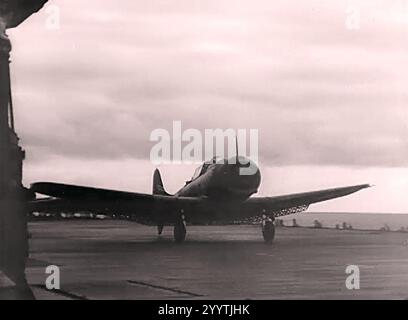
<point>320,94</point>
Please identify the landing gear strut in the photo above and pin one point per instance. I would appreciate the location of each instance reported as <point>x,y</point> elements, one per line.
<point>268,229</point>
<point>180,230</point>
<point>160,229</point>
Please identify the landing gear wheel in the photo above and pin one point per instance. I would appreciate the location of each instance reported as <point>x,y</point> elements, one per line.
<point>268,231</point>
<point>180,230</point>
<point>160,229</point>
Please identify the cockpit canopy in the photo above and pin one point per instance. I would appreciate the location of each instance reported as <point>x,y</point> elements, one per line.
<point>203,168</point>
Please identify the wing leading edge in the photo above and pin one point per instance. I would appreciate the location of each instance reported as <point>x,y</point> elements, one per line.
<point>68,198</point>
<point>71,198</point>
<point>300,200</point>
<point>284,204</point>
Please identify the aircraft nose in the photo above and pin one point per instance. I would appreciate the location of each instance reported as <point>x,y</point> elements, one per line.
<point>244,175</point>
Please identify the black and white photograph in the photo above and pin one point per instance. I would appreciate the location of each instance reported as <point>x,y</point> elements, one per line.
<point>203,150</point>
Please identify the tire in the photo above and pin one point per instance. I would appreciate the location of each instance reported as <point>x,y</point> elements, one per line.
<point>180,231</point>
<point>268,232</point>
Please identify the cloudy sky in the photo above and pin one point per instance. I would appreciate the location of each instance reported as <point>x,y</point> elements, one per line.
<point>323,81</point>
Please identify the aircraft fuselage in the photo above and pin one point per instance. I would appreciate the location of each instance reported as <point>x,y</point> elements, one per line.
<point>223,180</point>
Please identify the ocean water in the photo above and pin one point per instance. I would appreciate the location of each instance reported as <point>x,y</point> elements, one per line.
<point>363,221</point>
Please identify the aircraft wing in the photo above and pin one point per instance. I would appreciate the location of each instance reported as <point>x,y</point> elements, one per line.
<point>71,198</point>
<point>293,203</point>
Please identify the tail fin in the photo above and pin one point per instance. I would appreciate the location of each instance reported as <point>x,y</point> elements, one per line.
<point>158,184</point>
